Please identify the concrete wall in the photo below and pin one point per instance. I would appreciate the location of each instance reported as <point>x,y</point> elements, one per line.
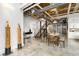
<point>14,14</point>
<point>73,20</point>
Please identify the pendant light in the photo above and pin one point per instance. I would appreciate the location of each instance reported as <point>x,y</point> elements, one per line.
<point>54,21</point>
<point>32,11</point>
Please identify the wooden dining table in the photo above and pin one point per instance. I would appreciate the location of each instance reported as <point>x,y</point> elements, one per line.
<point>55,39</point>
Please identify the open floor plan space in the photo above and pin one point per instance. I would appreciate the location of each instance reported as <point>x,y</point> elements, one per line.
<point>38,48</point>
<point>39,29</point>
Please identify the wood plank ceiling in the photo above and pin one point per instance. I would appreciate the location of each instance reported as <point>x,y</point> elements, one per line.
<point>59,11</point>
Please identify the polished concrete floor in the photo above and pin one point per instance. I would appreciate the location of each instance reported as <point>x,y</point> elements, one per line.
<point>38,48</point>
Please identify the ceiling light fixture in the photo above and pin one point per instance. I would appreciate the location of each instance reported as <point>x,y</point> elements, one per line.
<point>54,21</point>
<point>32,11</point>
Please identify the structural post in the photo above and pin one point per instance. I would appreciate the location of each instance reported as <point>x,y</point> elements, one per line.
<point>19,37</point>
<point>7,41</point>
<point>40,29</point>
<point>46,30</point>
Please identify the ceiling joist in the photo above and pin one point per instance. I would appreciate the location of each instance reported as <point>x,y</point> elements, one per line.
<point>31,7</point>
<point>45,12</point>
<point>69,7</point>
<point>76,7</point>
<point>56,12</point>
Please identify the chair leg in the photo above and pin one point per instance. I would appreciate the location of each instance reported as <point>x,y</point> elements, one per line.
<point>64,44</point>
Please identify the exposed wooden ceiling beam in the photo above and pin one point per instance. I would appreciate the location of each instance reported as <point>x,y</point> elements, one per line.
<point>24,5</point>
<point>31,7</point>
<point>56,12</point>
<point>63,16</point>
<point>51,7</point>
<point>76,7</point>
<point>69,7</point>
<point>45,12</point>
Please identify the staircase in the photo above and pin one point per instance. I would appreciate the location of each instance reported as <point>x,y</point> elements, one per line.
<point>42,30</point>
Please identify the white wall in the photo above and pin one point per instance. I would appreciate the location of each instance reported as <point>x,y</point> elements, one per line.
<point>31,23</point>
<point>73,19</point>
<point>12,13</point>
